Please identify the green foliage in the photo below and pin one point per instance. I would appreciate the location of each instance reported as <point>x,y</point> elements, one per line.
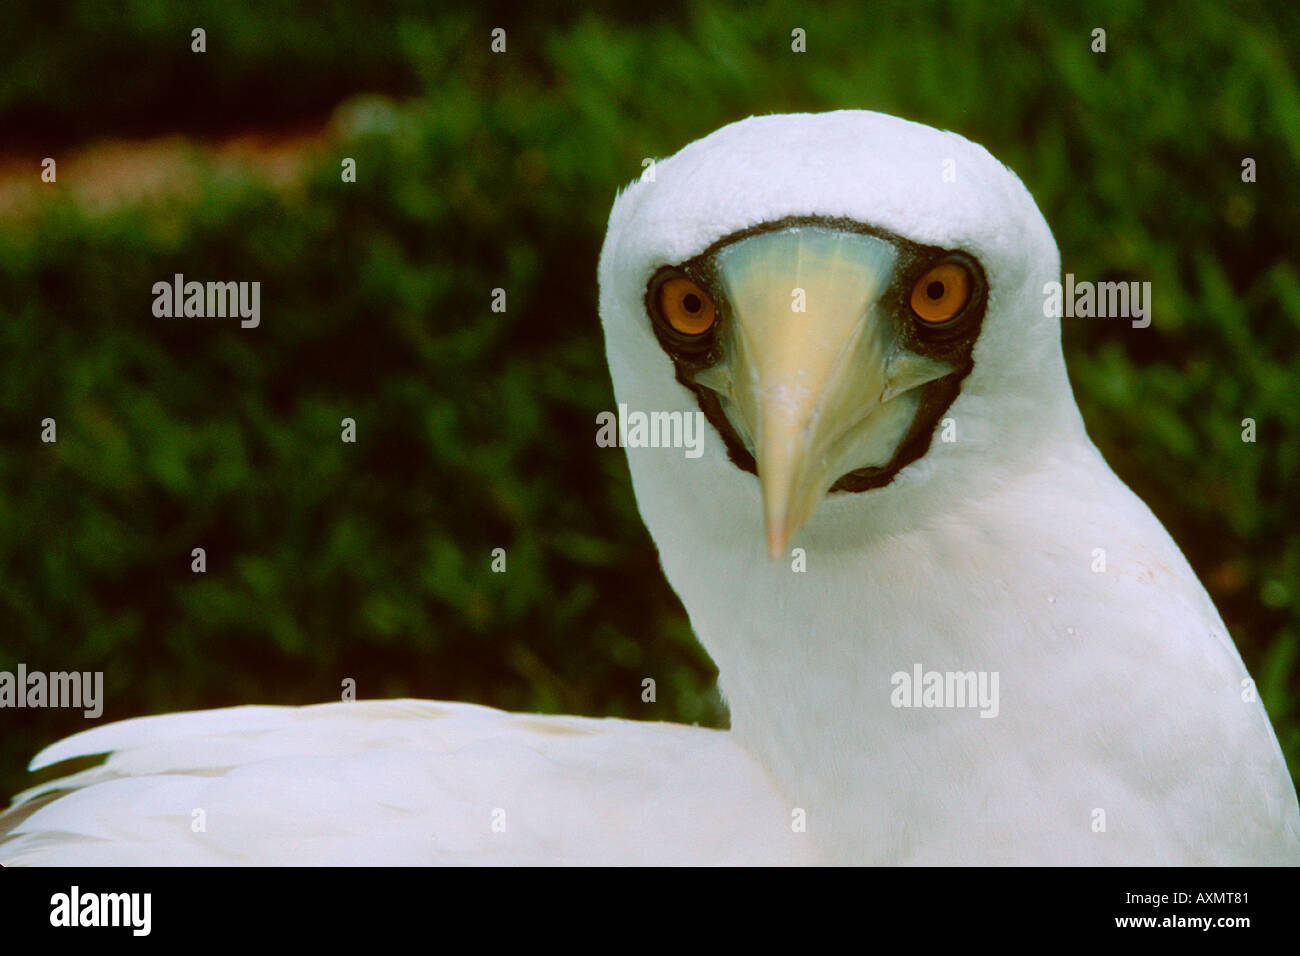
<point>372,561</point>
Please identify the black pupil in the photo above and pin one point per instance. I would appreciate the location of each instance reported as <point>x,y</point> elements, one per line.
<point>934,290</point>
<point>691,302</point>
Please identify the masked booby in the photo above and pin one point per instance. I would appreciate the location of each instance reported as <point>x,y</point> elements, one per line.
<point>897,481</point>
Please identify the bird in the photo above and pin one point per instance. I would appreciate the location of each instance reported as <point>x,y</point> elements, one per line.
<point>888,544</point>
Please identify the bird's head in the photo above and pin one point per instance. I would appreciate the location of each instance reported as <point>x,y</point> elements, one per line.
<point>831,291</point>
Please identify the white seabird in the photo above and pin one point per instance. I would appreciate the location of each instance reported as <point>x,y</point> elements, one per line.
<point>913,434</point>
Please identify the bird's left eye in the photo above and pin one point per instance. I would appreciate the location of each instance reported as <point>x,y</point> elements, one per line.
<point>942,293</point>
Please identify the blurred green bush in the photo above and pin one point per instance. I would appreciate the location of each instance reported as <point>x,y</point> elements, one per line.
<point>371,561</point>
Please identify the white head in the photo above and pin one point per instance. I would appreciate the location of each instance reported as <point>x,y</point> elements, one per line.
<point>919,261</point>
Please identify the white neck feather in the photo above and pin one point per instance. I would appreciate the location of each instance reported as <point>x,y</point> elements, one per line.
<point>923,572</point>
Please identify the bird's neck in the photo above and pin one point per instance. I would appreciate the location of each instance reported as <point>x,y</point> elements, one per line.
<point>814,651</point>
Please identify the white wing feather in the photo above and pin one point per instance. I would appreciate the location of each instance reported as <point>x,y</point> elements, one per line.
<point>400,782</point>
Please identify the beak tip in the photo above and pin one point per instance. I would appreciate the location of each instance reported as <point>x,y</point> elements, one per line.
<point>776,540</point>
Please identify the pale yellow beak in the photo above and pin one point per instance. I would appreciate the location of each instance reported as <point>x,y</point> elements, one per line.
<point>812,377</point>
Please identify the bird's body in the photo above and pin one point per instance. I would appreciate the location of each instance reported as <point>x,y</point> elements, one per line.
<point>1119,691</point>
<point>1123,728</point>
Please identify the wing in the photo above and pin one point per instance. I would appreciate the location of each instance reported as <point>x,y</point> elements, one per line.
<point>398,782</point>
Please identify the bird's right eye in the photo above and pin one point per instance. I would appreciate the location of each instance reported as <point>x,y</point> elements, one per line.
<point>686,307</point>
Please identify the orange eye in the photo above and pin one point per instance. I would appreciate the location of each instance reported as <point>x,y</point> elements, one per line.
<point>941,293</point>
<point>686,306</point>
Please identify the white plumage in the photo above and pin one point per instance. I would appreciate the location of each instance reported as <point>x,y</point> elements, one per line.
<point>402,782</point>
<point>1121,693</point>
